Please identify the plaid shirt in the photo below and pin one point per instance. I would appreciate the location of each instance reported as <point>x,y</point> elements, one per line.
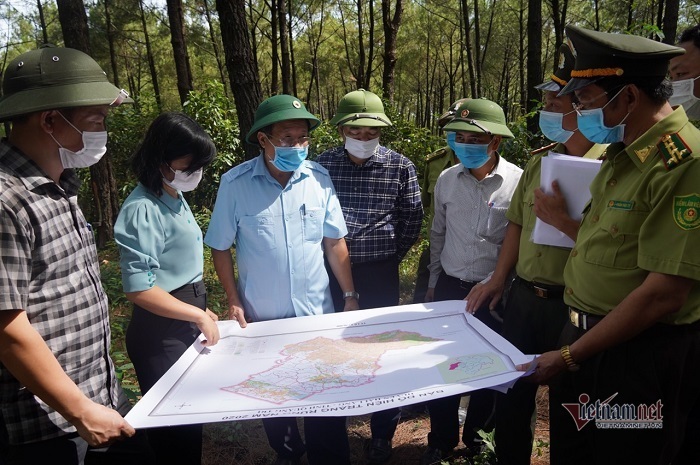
<point>50,270</point>
<point>380,201</point>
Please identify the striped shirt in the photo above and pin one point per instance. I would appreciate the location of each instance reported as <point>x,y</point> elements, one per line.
<point>50,270</point>
<point>380,201</point>
<point>470,221</point>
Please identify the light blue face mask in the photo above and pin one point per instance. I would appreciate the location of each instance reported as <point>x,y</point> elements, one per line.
<point>472,155</point>
<point>591,123</point>
<point>451,138</point>
<point>288,159</point>
<point>552,127</point>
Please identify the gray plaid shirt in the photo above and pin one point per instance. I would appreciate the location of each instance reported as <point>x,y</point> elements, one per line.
<point>50,269</point>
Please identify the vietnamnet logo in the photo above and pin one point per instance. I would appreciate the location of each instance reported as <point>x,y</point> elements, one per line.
<point>615,416</point>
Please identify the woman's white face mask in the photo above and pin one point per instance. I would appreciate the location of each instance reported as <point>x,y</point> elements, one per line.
<point>183,181</point>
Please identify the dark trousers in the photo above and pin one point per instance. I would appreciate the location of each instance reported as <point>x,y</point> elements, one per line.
<point>154,344</point>
<point>422,277</point>
<point>326,439</point>
<point>533,324</point>
<point>658,365</point>
<point>378,285</point>
<point>444,417</point>
<point>71,449</point>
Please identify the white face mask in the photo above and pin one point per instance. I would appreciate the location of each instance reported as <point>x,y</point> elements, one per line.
<point>94,148</point>
<point>183,181</point>
<point>362,149</point>
<point>683,95</point>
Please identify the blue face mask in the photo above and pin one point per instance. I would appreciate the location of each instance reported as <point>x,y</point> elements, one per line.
<point>451,138</point>
<point>551,124</point>
<point>472,155</point>
<point>591,123</point>
<point>288,159</point>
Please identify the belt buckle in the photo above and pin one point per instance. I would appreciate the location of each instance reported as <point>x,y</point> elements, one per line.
<point>573,317</point>
<point>540,291</point>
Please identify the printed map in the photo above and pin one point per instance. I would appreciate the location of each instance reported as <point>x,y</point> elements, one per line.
<point>338,364</point>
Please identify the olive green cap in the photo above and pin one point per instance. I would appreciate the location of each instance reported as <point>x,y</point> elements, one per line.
<point>562,74</point>
<point>276,109</point>
<point>450,113</point>
<point>602,54</point>
<point>361,108</point>
<point>479,115</point>
<point>55,77</point>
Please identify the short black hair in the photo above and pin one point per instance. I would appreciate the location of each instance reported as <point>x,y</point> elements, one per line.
<point>658,89</point>
<point>170,136</point>
<point>692,34</point>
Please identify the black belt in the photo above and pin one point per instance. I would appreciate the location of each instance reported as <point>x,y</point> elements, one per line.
<point>544,291</point>
<point>583,320</point>
<point>462,283</point>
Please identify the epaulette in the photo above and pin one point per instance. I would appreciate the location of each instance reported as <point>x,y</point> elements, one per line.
<point>673,150</point>
<point>237,171</point>
<point>437,154</point>
<point>546,148</point>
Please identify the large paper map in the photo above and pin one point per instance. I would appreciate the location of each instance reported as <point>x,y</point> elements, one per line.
<point>340,364</point>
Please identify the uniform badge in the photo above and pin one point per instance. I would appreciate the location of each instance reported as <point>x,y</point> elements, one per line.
<point>685,211</point>
<point>621,204</point>
<point>643,154</point>
<point>673,150</point>
<point>464,113</point>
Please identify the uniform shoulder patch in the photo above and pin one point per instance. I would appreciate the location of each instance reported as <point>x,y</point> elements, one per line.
<point>437,154</point>
<point>546,148</point>
<point>685,211</point>
<point>673,149</point>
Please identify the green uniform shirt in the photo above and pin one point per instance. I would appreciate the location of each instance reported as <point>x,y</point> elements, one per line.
<point>435,164</point>
<point>643,217</point>
<point>536,262</point>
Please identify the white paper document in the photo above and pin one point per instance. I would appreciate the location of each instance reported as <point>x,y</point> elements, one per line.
<point>574,175</point>
<point>339,364</point>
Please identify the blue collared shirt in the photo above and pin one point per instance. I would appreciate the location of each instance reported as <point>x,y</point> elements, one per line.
<point>278,233</point>
<point>159,241</point>
<point>380,200</point>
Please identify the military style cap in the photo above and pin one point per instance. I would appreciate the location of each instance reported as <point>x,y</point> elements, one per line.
<point>55,77</point>
<point>562,75</point>
<point>450,113</point>
<point>276,109</point>
<point>479,115</point>
<point>601,54</point>
<point>361,108</point>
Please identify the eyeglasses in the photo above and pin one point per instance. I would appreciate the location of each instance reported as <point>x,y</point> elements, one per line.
<point>290,141</point>
<point>580,106</point>
<point>358,131</point>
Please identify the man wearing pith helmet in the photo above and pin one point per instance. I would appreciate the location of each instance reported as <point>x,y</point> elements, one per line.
<point>379,194</point>
<point>469,226</point>
<point>631,280</point>
<point>59,394</point>
<point>535,312</point>
<point>281,212</point>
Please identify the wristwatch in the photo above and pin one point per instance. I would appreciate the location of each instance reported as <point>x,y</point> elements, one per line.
<point>571,364</point>
<point>352,294</point>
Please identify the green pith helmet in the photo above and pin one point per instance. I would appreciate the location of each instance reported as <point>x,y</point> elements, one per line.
<point>450,113</point>
<point>603,54</point>
<point>479,115</point>
<point>562,75</point>
<point>361,108</point>
<point>55,77</point>
<point>276,109</point>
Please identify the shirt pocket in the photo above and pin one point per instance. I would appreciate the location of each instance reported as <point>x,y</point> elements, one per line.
<point>496,223</point>
<point>258,231</point>
<point>615,242</point>
<point>313,225</point>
